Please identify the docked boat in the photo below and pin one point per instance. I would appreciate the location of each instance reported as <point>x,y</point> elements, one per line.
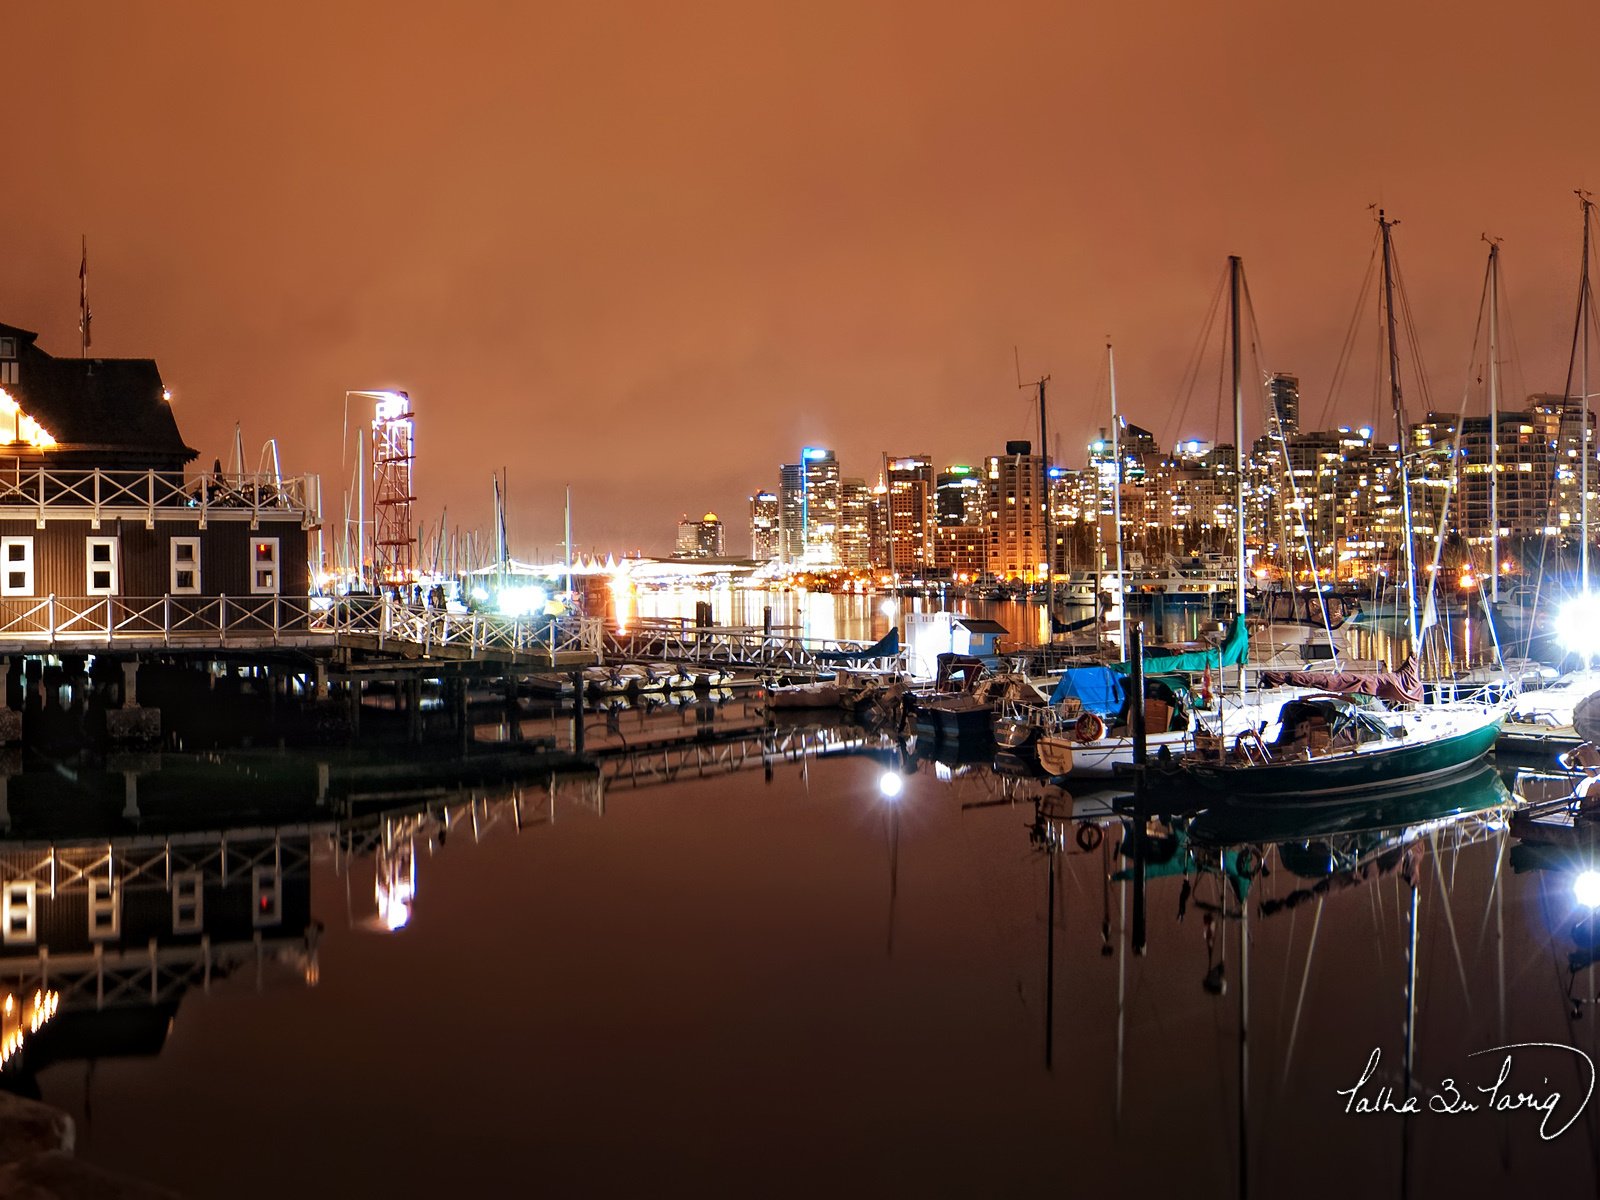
<point>1366,822</point>
<point>1329,746</point>
<point>805,695</point>
<point>960,717</point>
<point>1542,719</point>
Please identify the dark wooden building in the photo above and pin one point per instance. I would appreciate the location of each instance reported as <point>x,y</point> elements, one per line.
<point>107,530</point>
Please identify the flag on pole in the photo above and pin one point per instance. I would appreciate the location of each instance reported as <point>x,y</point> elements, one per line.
<point>84,315</point>
<point>1430,612</point>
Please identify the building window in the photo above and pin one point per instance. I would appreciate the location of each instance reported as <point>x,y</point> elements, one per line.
<point>16,566</point>
<point>264,566</point>
<point>185,579</point>
<point>18,912</point>
<point>188,901</point>
<point>266,897</point>
<point>105,909</point>
<point>102,557</point>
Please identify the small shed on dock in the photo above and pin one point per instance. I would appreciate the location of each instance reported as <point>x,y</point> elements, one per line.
<point>928,635</point>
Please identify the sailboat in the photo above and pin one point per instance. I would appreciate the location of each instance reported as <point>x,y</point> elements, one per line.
<point>1542,718</point>
<point>1327,745</point>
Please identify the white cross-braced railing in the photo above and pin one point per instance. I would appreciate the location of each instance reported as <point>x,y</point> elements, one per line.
<point>46,491</point>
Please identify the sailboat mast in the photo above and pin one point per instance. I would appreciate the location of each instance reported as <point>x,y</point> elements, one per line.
<point>1116,501</point>
<point>1494,423</point>
<point>1584,304</point>
<point>569,540</point>
<point>1235,268</point>
<point>1049,542</point>
<point>1387,226</point>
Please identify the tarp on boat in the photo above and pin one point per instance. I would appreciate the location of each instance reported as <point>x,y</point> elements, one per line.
<point>887,647</point>
<point>1057,625</point>
<point>1098,689</point>
<point>1232,652</point>
<point>1399,687</point>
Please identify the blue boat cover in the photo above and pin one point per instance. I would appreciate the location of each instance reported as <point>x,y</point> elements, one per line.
<point>888,647</point>
<point>1099,689</point>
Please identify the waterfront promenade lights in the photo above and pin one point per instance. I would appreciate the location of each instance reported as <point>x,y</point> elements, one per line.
<point>1578,625</point>
<point>1586,889</point>
<point>891,784</point>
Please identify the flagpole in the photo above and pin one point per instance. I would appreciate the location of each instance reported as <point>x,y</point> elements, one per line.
<point>84,315</point>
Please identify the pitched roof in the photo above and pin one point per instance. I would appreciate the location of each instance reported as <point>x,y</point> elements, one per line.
<point>981,625</point>
<point>96,403</point>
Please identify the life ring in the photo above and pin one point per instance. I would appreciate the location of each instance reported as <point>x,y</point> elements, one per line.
<point>1089,728</point>
<point>1249,745</point>
<point>1089,836</point>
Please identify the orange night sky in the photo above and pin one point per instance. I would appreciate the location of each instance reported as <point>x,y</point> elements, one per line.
<point>652,249</point>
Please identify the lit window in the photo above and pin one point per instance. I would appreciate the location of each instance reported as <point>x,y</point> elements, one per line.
<point>185,566</point>
<point>264,566</point>
<point>101,554</point>
<point>16,566</point>
<point>105,908</point>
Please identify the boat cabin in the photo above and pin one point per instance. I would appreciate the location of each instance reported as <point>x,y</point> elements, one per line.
<point>1326,724</point>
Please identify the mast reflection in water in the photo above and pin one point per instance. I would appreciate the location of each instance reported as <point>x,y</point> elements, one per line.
<point>673,969</point>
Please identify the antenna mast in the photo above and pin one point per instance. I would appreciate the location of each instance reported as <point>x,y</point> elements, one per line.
<point>1116,501</point>
<point>1044,470</point>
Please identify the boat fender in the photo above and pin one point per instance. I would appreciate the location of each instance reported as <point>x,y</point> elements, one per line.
<point>1089,728</point>
<point>1089,836</point>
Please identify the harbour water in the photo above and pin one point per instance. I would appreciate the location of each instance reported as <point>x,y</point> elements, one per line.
<point>867,617</point>
<point>767,971</point>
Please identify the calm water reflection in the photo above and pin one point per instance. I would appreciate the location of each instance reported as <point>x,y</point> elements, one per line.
<point>748,969</point>
<point>823,615</point>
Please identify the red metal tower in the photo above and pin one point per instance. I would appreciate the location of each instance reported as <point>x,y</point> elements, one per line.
<point>393,456</point>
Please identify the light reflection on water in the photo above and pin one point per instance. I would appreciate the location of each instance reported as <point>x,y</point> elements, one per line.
<point>761,965</point>
<point>860,617</point>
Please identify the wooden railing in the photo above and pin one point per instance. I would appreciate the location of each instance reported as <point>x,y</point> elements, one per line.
<point>48,491</point>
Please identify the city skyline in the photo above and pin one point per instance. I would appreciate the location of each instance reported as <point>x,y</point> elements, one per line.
<point>1318,501</point>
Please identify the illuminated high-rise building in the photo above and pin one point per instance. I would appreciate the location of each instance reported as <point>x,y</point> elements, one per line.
<point>960,497</point>
<point>852,538</point>
<point>1016,512</point>
<point>1284,392</point>
<point>765,526</point>
<point>791,513</point>
<point>908,512</point>
<point>704,538</point>
<point>819,498</point>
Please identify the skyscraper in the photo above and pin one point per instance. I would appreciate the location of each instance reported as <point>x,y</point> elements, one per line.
<point>959,496</point>
<point>1016,512</point>
<point>765,526</point>
<point>909,502</point>
<point>1285,393</point>
<point>820,506</point>
<point>791,512</point>
<point>851,540</point>
<point>702,538</point>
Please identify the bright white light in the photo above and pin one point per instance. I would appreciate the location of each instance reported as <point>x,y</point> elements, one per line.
<point>480,594</point>
<point>1578,625</point>
<point>1586,889</point>
<point>888,608</point>
<point>521,601</point>
<point>891,785</point>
